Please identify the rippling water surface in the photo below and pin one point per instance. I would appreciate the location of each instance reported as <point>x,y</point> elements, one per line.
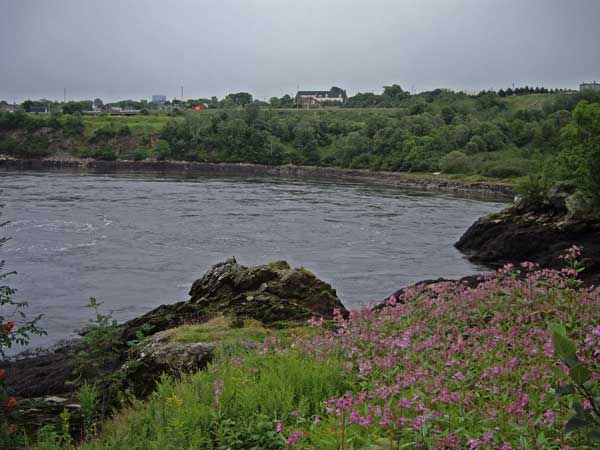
<point>135,242</point>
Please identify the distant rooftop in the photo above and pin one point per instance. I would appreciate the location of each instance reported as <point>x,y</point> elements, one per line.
<point>329,94</point>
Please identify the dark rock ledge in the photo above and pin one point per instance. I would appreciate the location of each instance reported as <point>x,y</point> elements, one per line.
<point>538,234</point>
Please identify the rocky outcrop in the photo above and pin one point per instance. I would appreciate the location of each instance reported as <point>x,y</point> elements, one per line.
<point>269,293</point>
<point>273,294</point>
<point>538,234</point>
<point>160,354</point>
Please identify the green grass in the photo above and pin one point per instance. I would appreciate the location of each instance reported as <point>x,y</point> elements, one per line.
<point>529,101</point>
<point>220,329</point>
<point>257,392</point>
<point>139,125</point>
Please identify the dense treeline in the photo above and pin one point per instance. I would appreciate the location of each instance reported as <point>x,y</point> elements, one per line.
<point>438,130</point>
<point>484,135</point>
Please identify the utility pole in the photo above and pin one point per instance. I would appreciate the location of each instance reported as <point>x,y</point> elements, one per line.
<point>182,94</point>
<point>65,95</point>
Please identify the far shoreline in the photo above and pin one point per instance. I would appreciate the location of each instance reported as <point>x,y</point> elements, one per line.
<point>488,190</point>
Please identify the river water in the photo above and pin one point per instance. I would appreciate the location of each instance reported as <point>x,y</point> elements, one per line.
<point>137,241</point>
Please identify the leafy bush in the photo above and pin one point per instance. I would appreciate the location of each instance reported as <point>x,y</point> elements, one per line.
<point>455,162</point>
<point>140,154</point>
<point>8,146</point>
<point>507,168</point>
<point>123,131</point>
<point>162,150</point>
<point>105,154</point>
<point>73,125</point>
<point>533,189</point>
<point>103,134</point>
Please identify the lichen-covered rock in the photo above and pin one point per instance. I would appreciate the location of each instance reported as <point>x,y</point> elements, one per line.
<point>159,354</point>
<point>268,293</point>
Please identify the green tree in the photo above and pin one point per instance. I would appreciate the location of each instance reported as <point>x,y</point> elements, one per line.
<point>475,145</point>
<point>455,162</point>
<point>306,141</point>
<point>240,98</point>
<point>162,150</point>
<point>394,94</point>
<point>579,159</point>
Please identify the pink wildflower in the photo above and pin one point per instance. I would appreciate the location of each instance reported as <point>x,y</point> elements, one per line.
<point>293,438</point>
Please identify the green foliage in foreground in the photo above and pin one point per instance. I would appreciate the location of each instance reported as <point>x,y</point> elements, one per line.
<point>236,404</point>
<point>582,386</point>
<point>449,367</point>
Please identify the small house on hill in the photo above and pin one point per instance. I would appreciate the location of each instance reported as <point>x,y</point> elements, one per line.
<point>9,108</point>
<point>307,98</point>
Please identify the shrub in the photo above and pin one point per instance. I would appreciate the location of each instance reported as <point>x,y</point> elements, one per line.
<point>124,131</point>
<point>455,162</point>
<point>533,190</point>
<point>140,154</point>
<point>507,168</point>
<point>31,152</point>
<point>105,154</point>
<point>162,150</point>
<point>73,125</point>
<point>103,134</point>
<point>8,146</point>
<point>475,145</point>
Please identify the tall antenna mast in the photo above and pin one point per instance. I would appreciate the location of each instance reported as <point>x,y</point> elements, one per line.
<point>65,95</point>
<point>182,93</point>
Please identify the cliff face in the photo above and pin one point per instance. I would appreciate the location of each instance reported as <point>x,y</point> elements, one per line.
<point>540,235</point>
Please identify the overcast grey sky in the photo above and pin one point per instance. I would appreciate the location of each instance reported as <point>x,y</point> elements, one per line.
<point>116,49</point>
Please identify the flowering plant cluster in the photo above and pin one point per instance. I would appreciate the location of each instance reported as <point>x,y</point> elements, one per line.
<point>452,366</point>
<point>447,366</point>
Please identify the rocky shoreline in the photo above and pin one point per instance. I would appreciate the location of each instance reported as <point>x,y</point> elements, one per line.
<point>394,179</point>
<point>538,234</point>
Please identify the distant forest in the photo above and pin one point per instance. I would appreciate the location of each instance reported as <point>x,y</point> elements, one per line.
<point>493,134</point>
